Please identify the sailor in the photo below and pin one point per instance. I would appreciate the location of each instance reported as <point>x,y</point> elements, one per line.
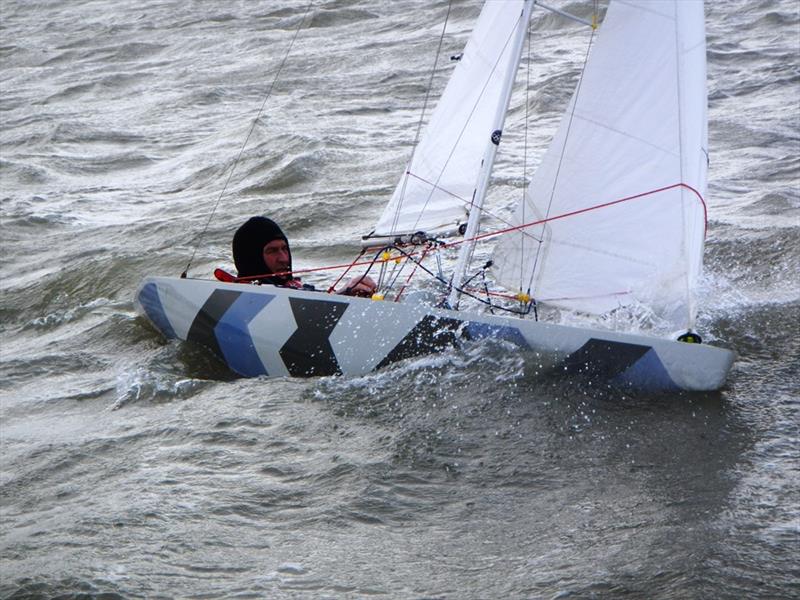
<point>261,251</point>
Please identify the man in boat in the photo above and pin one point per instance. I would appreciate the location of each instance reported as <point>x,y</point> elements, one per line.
<point>261,251</point>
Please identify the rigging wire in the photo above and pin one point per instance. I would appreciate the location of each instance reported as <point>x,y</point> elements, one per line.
<point>461,290</point>
<point>564,147</point>
<point>346,271</point>
<point>464,128</point>
<point>525,182</point>
<point>483,236</point>
<point>413,271</point>
<point>469,203</point>
<point>684,251</point>
<point>422,115</point>
<point>246,139</point>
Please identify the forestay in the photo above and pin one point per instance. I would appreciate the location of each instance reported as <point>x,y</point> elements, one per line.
<point>434,193</point>
<point>623,182</point>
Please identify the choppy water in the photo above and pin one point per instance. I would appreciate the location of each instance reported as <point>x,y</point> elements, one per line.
<point>132,467</point>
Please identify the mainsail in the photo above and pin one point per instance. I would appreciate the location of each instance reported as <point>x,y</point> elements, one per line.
<point>435,192</point>
<point>619,195</point>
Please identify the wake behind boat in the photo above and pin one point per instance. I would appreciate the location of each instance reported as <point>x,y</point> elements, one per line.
<point>615,215</point>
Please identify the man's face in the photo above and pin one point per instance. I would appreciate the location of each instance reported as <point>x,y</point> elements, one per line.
<point>276,256</point>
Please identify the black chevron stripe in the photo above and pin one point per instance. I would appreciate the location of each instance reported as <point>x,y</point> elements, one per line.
<point>202,329</point>
<point>431,334</point>
<point>603,358</point>
<point>308,351</point>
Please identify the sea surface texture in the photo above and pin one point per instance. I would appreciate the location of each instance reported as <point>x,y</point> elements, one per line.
<point>134,467</point>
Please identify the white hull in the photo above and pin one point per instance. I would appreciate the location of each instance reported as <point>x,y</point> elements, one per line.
<point>271,331</point>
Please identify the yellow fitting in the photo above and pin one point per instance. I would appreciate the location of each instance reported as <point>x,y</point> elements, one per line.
<point>377,296</point>
<point>594,21</point>
<point>523,297</point>
<point>398,259</point>
<point>386,255</point>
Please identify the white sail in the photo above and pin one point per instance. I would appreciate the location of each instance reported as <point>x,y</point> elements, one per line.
<point>621,188</point>
<point>434,193</point>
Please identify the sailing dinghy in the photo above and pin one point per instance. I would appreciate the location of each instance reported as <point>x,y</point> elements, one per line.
<point>614,216</point>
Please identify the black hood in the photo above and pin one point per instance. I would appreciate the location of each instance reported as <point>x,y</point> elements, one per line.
<point>248,248</point>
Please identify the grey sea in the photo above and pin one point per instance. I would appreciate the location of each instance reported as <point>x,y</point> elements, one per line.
<point>133,467</point>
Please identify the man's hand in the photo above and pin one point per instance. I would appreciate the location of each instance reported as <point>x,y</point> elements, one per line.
<point>361,285</point>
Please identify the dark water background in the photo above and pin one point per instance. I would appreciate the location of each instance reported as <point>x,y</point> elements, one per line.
<point>132,467</point>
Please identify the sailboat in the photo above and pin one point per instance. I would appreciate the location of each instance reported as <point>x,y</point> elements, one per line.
<point>615,215</point>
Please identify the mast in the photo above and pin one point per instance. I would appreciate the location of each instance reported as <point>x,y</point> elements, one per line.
<point>493,141</point>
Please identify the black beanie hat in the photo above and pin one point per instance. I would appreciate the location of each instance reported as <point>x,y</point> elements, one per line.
<point>248,247</point>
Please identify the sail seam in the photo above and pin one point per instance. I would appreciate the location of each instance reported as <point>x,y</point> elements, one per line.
<point>466,202</point>
<point>601,125</point>
<point>647,9</point>
<point>592,297</point>
<point>601,252</point>
<point>466,122</point>
<point>438,187</point>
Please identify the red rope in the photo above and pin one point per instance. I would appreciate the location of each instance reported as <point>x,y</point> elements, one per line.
<point>489,234</point>
<point>314,270</point>
<point>342,276</point>
<point>408,279</point>
<point>589,209</point>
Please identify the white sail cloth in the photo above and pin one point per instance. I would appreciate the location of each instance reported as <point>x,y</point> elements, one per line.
<point>434,193</point>
<point>635,128</point>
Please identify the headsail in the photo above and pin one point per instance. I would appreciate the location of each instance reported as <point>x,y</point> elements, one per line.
<point>621,188</point>
<point>434,193</point>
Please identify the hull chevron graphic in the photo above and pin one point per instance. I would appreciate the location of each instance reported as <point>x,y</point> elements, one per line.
<point>431,334</point>
<point>151,303</point>
<point>202,329</point>
<point>233,334</point>
<point>273,331</point>
<point>604,358</point>
<point>308,351</point>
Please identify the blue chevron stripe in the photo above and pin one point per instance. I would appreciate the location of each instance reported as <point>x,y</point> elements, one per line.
<point>478,331</point>
<point>648,373</point>
<point>233,334</point>
<point>151,303</point>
